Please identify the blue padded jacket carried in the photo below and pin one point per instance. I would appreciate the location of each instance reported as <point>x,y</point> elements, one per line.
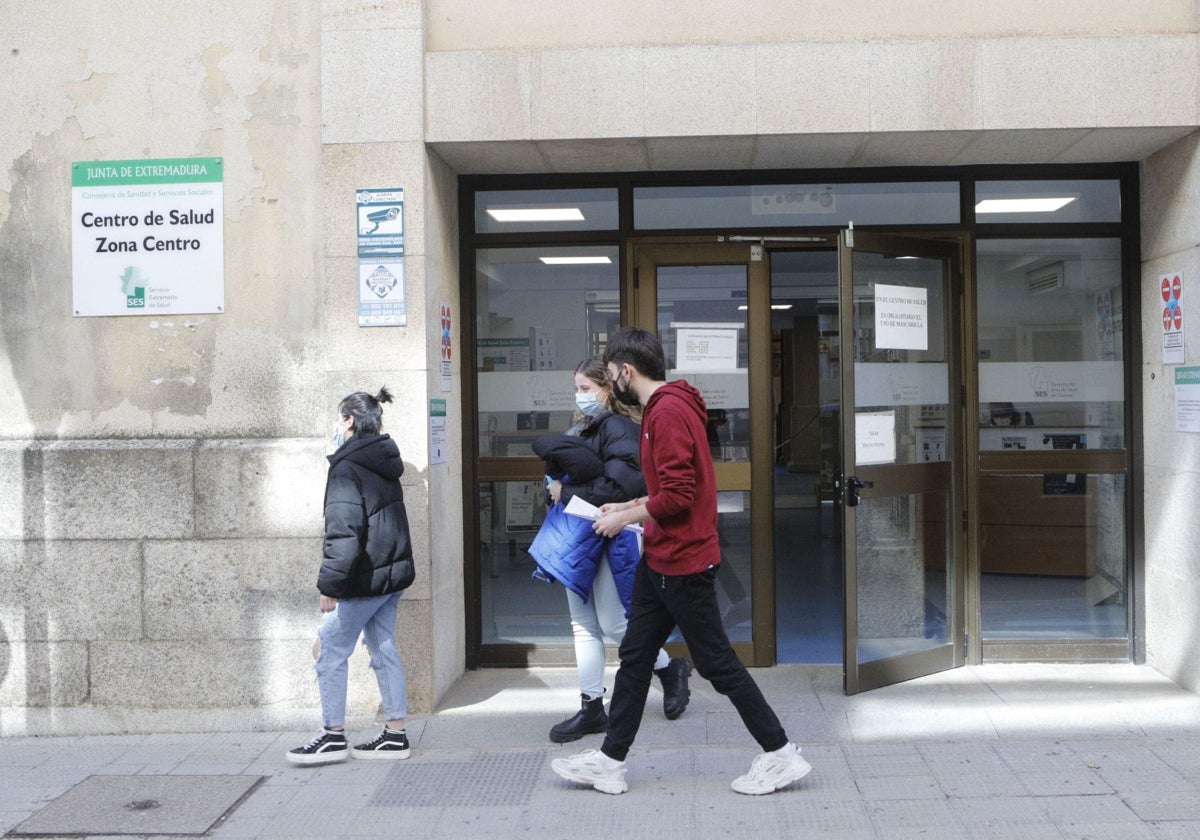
<point>600,464</point>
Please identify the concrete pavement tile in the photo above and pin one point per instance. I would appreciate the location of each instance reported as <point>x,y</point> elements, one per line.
<point>816,816</point>
<point>1033,756</point>
<point>986,810</point>
<point>817,727</point>
<point>1181,752</point>
<point>1065,782</point>
<point>501,731</point>
<point>973,785</point>
<point>1172,830</point>
<point>1164,806</point>
<point>502,821</point>
<point>392,822</point>
<point>899,787</point>
<point>961,757</point>
<point>29,798</point>
<point>895,817</point>
<point>1066,811</point>
<point>1012,831</point>
<point>241,826</point>
<point>871,760</point>
<point>1129,782</point>
<point>915,723</point>
<point>1104,831</point>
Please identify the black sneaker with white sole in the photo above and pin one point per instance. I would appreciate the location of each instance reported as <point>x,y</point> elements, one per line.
<point>389,745</point>
<point>326,748</point>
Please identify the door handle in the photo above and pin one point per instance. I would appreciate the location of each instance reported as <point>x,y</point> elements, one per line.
<point>853,485</point>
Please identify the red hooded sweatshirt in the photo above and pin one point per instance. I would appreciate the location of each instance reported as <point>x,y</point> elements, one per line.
<point>677,463</point>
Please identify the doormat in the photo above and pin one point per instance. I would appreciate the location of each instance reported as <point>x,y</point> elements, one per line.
<point>139,805</point>
<point>482,781</point>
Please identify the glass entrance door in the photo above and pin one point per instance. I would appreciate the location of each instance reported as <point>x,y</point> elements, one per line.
<point>901,487</point>
<point>708,304</point>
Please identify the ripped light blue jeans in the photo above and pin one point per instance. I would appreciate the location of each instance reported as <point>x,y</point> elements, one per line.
<point>374,618</point>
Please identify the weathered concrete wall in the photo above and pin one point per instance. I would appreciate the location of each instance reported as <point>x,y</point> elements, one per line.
<point>1170,233</point>
<point>509,24</point>
<point>160,527</point>
<point>935,93</point>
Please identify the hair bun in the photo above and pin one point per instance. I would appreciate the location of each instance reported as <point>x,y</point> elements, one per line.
<point>384,396</point>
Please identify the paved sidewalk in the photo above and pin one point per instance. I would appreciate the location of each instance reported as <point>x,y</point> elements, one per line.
<point>1012,752</point>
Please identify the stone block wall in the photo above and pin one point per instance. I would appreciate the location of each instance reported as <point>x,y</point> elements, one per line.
<point>174,581</point>
<point>1171,466</point>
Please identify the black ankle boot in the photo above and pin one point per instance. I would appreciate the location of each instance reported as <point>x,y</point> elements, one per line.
<point>589,719</point>
<point>674,680</point>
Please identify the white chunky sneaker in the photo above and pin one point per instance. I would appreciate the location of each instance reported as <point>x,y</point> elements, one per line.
<point>770,772</point>
<point>589,768</point>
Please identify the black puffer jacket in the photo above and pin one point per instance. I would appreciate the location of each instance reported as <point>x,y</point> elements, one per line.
<point>602,464</point>
<point>367,547</point>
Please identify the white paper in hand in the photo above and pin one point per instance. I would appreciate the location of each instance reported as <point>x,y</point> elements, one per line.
<point>586,510</point>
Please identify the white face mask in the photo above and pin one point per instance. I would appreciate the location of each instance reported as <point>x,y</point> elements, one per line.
<point>588,404</point>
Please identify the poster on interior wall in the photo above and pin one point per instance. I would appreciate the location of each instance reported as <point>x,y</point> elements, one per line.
<point>1171,288</point>
<point>147,237</point>
<point>1187,399</point>
<point>901,318</point>
<point>446,347</point>
<point>437,431</point>
<point>380,231</point>
<point>706,346</point>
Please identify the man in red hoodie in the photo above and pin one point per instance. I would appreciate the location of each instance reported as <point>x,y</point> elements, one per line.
<point>674,583</point>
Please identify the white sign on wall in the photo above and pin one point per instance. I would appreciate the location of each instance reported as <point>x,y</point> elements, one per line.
<point>874,437</point>
<point>147,237</point>
<point>382,301</point>
<point>1187,399</point>
<point>1171,289</point>
<point>901,318</point>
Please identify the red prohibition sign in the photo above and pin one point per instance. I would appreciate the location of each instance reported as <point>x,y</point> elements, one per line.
<point>1166,289</point>
<point>1176,287</point>
<point>1178,317</point>
<point>1166,319</point>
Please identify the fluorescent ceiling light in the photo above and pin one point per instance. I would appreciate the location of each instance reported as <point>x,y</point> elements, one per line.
<point>576,260</point>
<point>1022,205</point>
<point>743,307</point>
<point>537,214</point>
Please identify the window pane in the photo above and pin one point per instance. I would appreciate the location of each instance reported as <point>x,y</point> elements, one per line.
<point>702,326</point>
<point>536,322</point>
<point>523,211</point>
<point>516,608</point>
<point>1051,374</point>
<point>902,576</point>
<point>795,205</point>
<point>999,202</point>
<point>900,391</point>
<point>1052,551</point>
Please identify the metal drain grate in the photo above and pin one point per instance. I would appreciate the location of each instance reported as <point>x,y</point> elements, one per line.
<point>139,805</point>
<point>484,780</point>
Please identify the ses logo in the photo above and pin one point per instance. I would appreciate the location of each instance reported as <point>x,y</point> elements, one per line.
<point>133,286</point>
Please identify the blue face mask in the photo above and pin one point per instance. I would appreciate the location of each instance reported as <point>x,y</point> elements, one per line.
<point>339,435</point>
<point>588,404</point>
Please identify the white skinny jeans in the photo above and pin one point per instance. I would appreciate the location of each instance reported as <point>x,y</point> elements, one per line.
<point>601,616</point>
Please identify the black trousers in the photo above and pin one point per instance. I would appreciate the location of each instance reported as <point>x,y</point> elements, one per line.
<point>659,603</point>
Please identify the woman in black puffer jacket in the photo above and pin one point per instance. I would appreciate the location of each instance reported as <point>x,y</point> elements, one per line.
<point>368,562</point>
